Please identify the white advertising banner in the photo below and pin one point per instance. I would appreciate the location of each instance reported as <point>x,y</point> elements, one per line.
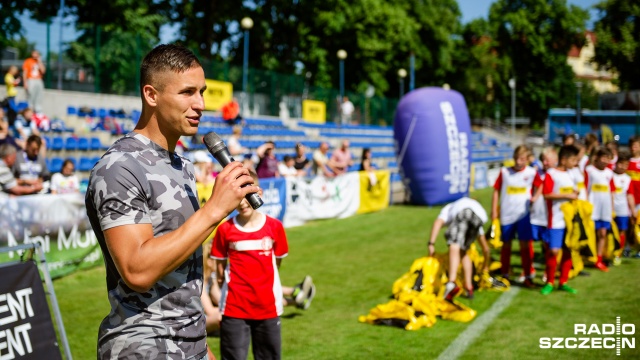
<point>321,198</point>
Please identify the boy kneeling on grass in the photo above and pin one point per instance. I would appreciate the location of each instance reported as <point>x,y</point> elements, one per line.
<point>559,187</point>
<point>464,219</point>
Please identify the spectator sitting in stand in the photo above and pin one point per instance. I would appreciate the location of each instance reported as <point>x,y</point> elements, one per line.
<point>366,163</point>
<point>286,167</point>
<point>24,125</point>
<point>301,162</point>
<point>8,183</point>
<point>66,181</point>
<point>231,113</point>
<point>30,167</point>
<point>267,164</point>
<point>321,163</point>
<point>5,137</point>
<point>341,158</point>
<point>233,144</point>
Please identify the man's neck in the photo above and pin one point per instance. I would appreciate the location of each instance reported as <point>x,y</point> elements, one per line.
<point>148,127</point>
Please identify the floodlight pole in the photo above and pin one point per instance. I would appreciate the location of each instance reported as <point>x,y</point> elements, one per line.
<point>60,45</point>
<point>512,85</point>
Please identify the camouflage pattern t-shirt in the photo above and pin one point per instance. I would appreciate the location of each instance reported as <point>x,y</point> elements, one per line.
<point>139,182</point>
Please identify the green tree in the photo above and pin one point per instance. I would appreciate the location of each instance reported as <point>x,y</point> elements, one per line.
<point>536,35</point>
<point>480,69</point>
<point>618,40</point>
<point>127,29</point>
<point>10,25</point>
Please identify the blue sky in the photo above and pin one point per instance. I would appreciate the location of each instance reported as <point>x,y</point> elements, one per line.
<point>36,32</point>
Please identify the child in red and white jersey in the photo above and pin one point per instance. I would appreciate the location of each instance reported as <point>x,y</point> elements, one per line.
<point>578,175</point>
<point>634,168</point>
<point>512,191</point>
<point>559,187</point>
<point>248,249</point>
<point>539,216</point>
<point>623,201</point>
<point>613,147</point>
<point>590,143</point>
<point>600,187</point>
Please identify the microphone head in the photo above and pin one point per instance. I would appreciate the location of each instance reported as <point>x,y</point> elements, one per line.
<point>213,142</point>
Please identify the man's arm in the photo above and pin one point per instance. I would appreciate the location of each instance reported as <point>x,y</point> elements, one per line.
<point>435,229</point>
<point>142,259</point>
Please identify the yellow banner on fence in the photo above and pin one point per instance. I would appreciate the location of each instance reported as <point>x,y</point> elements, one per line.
<point>314,111</point>
<point>217,94</point>
<point>375,189</point>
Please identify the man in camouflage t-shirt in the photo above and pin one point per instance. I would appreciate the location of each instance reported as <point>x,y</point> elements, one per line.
<point>143,207</point>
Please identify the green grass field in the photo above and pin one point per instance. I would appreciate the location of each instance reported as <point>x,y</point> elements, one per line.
<point>355,261</point>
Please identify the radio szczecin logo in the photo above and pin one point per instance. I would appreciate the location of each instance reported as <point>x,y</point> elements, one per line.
<point>595,336</point>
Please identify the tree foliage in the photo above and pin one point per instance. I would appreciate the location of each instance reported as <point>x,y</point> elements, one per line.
<point>10,25</point>
<point>525,39</point>
<point>618,40</point>
<point>536,35</point>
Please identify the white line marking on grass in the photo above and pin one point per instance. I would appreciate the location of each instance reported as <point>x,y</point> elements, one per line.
<point>473,331</point>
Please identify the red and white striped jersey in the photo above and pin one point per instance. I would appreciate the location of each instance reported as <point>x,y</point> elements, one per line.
<point>252,288</point>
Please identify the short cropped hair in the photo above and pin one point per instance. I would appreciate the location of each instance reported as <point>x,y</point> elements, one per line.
<point>6,150</point>
<point>34,139</point>
<point>624,155</point>
<point>634,139</point>
<point>603,151</point>
<point>164,58</point>
<point>521,150</point>
<point>590,139</point>
<point>568,151</point>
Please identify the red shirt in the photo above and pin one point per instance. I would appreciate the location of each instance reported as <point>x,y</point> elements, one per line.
<point>634,172</point>
<point>230,111</point>
<point>252,288</point>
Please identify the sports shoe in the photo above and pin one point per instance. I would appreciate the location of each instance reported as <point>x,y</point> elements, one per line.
<point>544,278</point>
<point>617,261</point>
<point>546,289</point>
<point>528,283</point>
<point>304,289</point>
<point>601,266</point>
<point>521,279</point>
<point>450,291</point>
<point>567,288</point>
<point>310,295</point>
<point>626,252</point>
<point>637,255</point>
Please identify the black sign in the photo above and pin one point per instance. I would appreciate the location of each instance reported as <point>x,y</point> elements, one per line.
<point>26,330</point>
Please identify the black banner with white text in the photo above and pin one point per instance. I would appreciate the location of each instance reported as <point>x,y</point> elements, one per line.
<point>26,329</point>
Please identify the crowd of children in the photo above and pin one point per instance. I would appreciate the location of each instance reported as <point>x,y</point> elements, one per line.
<point>529,203</point>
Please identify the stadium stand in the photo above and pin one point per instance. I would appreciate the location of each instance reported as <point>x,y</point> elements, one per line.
<point>87,148</point>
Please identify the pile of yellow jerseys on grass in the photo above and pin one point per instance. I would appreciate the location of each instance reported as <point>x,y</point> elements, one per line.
<point>418,296</point>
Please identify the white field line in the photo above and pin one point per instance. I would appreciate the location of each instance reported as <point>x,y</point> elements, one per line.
<point>473,331</point>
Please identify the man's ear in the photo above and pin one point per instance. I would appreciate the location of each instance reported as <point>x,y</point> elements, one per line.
<point>150,95</point>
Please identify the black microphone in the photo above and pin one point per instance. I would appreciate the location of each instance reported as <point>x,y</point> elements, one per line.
<point>219,150</point>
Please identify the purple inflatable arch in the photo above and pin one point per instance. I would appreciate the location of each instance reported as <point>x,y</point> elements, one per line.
<point>433,132</point>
